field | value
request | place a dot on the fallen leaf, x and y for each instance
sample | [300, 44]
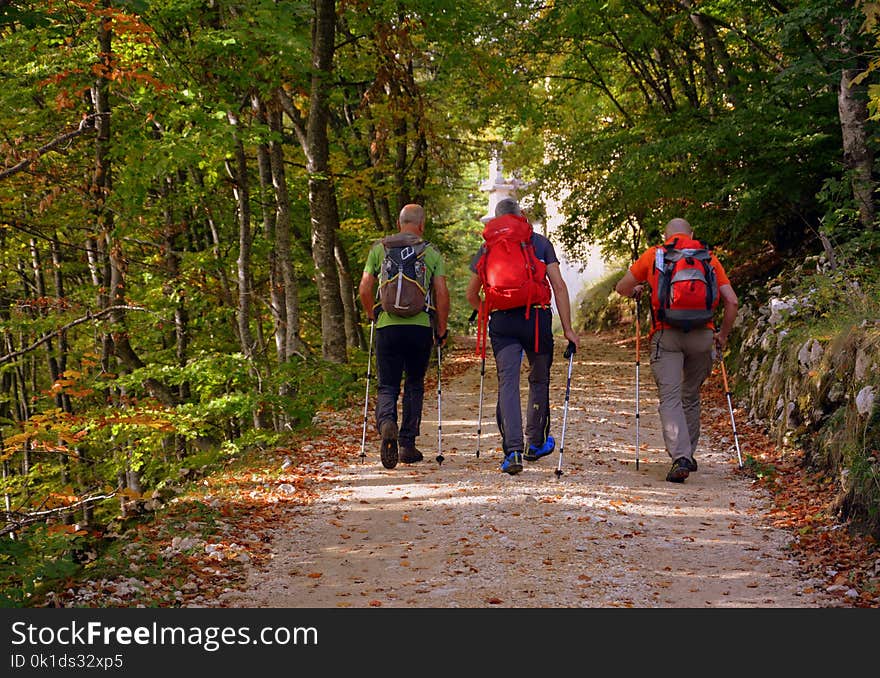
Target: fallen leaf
[375, 603]
[494, 601]
[316, 575]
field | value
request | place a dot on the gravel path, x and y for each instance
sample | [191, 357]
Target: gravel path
[463, 534]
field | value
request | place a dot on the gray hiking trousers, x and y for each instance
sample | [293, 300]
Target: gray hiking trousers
[680, 363]
[512, 337]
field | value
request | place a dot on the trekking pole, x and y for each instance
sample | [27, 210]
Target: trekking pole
[638, 358]
[569, 353]
[439, 410]
[730, 407]
[367, 394]
[480, 409]
[482, 375]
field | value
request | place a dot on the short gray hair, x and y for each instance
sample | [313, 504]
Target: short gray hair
[412, 214]
[507, 206]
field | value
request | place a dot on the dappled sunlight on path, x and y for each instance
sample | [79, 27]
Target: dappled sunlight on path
[463, 534]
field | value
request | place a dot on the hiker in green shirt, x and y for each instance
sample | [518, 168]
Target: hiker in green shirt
[409, 318]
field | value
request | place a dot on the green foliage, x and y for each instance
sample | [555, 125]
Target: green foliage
[36, 559]
[625, 111]
[601, 308]
[761, 470]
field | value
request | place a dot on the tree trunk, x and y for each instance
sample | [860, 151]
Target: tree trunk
[284, 256]
[353, 335]
[239, 173]
[63, 346]
[322, 196]
[857, 156]
[277, 306]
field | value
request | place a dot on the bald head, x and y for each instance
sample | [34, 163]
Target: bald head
[412, 218]
[678, 226]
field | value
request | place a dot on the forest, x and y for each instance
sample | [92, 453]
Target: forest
[189, 188]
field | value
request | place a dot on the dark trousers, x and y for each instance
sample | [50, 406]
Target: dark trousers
[402, 349]
[513, 335]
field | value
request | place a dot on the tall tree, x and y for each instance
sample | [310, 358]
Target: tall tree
[322, 197]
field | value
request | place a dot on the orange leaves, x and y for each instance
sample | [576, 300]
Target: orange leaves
[494, 601]
[66, 529]
[315, 575]
[801, 502]
[375, 603]
[65, 497]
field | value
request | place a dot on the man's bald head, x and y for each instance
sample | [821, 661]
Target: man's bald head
[412, 218]
[678, 226]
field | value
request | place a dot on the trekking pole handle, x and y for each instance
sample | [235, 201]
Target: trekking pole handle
[570, 350]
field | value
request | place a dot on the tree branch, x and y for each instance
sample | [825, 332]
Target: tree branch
[85, 125]
[299, 123]
[16, 520]
[79, 321]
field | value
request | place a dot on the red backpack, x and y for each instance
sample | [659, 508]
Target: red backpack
[510, 273]
[685, 294]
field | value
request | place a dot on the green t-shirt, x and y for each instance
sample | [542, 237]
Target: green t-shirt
[436, 267]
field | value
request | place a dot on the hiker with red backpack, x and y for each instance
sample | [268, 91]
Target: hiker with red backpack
[409, 310]
[516, 269]
[687, 283]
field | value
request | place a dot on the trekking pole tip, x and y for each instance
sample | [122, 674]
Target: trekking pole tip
[558, 472]
[440, 459]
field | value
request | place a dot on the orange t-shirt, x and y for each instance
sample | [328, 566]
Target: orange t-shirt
[643, 270]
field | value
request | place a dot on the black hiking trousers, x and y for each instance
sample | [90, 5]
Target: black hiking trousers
[402, 349]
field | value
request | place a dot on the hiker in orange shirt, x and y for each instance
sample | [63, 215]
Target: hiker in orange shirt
[682, 341]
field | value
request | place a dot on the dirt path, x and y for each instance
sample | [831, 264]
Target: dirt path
[463, 534]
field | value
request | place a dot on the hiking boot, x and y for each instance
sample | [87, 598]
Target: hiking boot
[388, 451]
[679, 471]
[535, 453]
[409, 454]
[512, 463]
[692, 465]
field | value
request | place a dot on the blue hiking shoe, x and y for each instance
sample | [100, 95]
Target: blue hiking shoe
[512, 463]
[535, 453]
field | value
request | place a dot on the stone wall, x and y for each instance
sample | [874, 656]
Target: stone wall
[808, 370]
